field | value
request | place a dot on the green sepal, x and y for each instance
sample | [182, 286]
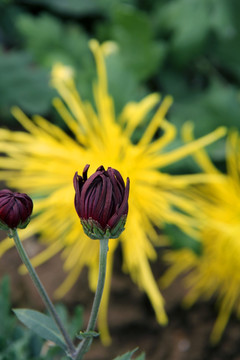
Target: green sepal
[87, 334]
[97, 231]
[3, 226]
[94, 230]
[23, 225]
[118, 229]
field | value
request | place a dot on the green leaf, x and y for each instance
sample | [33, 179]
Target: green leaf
[50, 41]
[126, 356]
[41, 324]
[76, 321]
[141, 357]
[23, 84]
[72, 323]
[208, 109]
[87, 334]
[140, 52]
[7, 323]
[123, 85]
[5, 295]
[187, 22]
[180, 239]
[225, 47]
[70, 7]
[222, 19]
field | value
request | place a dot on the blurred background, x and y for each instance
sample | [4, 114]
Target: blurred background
[186, 48]
[189, 49]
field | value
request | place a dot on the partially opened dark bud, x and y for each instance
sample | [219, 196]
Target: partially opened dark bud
[101, 202]
[15, 209]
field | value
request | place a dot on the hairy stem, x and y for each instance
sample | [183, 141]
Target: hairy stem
[42, 291]
[84, 345]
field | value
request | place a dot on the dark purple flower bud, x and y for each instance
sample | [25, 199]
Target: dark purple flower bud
[101, 202]
[15, 209]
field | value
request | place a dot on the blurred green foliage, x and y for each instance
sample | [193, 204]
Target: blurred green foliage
[180, 240]
[187, 48]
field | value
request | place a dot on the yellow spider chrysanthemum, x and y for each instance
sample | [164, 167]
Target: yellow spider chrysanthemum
[42, 161]
[216, 272]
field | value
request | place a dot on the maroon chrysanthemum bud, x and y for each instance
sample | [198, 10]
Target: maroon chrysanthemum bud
[101, 202]
[15, 209]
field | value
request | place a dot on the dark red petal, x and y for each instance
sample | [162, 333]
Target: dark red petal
[24, 209]
[101, 168]
[118, 193]
[6, 208]
[90, 196]
[96, 201]
[97, 194]
[15, 207]
[5, 192]
[76, 180]
[86, 186]
[26, 204]
[85, 171]
[20, 211]
[119, 177]
[122, 210]
[12, 218]
[106, 200]
[4, 200]
[99, 201]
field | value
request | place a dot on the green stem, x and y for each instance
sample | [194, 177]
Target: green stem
[84, 345]
[42, 291]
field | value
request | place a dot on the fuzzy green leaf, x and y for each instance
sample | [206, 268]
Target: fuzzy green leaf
[41, 324]
[126, 356]
[87, 334]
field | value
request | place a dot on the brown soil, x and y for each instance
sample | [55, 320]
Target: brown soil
[131, 319]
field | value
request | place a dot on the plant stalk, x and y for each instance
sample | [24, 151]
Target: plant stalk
[23, 255]
[84, 345]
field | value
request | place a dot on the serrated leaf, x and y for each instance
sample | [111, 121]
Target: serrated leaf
[126, 356]
[41, 324]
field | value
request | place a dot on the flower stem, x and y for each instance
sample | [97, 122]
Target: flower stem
[42, 291]
[84, 345]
